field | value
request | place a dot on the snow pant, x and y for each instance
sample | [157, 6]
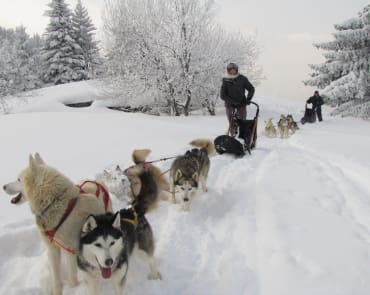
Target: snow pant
[241, 112]
[318, 112]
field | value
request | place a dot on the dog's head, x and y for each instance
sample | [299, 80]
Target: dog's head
[17, 187]
[186, 186]
[289, 118]
[101, 242]
[116, 181]
[268, 123]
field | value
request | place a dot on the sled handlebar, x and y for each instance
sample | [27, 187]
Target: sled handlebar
[257, 107]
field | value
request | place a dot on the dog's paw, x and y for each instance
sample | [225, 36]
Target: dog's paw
[154, 275]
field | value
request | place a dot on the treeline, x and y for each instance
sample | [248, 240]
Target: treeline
[66, 52]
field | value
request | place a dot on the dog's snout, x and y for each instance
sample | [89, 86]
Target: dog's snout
[4, 187]
[109, 262]
[186, 199]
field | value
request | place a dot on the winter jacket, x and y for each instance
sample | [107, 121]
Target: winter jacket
[233, 91]
[316, 101]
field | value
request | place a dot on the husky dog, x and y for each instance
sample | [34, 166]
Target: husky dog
[283, 127]
[270, 130]
[107, 241]
[117, 182]
[292, 125]
[189, 169]
[87, 186]
[60, 208]
[133, 174]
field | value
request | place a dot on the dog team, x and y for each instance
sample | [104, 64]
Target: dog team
[78, 219]
[286, 127]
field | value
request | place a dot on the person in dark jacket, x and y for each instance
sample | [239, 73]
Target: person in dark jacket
[317, 102]
[233, 93]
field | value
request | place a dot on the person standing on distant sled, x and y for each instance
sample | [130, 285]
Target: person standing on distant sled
[317, 102]
[233, 93]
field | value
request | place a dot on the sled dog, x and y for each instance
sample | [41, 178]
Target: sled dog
[134, 172]
[292, 125]
[117, 182]
[283, 127]
[189, 169]
[270, 130]
[107, 241]
[60, 208]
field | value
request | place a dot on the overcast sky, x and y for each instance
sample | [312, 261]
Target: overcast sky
[286, 30]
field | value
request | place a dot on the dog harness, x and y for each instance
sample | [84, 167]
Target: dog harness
[50, 234]
[134, 221]
[99, 188]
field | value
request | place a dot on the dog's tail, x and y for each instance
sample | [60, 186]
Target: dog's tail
[139, 156]
[148, 179]
[204, 143]
[148, 196]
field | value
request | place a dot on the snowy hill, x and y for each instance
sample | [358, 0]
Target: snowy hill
[291, 219]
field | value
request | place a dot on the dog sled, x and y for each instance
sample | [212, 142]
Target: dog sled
[309, 114]
[246, 130]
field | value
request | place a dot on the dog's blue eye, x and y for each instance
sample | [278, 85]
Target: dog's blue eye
[98, 245]
[183, 188]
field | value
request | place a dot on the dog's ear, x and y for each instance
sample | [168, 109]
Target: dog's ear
[106, 173]
[32, 163]
[89, 225]
[178, 174]
[117, 221]
[38, 159]
[118, 168]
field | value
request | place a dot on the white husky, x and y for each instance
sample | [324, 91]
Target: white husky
[117, 183]
[60, 208]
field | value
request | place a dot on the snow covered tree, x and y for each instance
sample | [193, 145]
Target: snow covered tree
[344, 76]
[85, 37]
[171, 53]
[62, 55]
[19, 61]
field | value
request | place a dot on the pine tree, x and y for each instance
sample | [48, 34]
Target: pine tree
[84, 36]
[19, 61]
[344, 75]
[63, 57]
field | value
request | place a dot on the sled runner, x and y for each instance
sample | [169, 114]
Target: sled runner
[309, 115]
[246, 130]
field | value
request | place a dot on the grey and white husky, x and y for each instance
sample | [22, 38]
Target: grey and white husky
[190, 169]
[107, 241]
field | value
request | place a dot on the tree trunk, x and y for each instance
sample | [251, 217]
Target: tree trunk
[187, 102]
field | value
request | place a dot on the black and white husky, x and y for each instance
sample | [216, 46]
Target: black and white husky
[107, 241]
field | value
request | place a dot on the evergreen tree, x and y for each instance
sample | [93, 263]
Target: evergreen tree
[19, 61]
[344, 75]
[84, 35]
[63, 57]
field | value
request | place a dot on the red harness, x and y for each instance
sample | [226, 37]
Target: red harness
[71, 204]
[99, 187]
[51, 233]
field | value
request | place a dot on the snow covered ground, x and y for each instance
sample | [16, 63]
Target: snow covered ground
[293, 218]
